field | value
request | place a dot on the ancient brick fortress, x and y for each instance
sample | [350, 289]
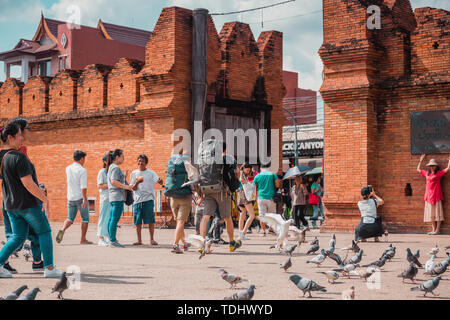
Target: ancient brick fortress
[136, 106]
[373, 79]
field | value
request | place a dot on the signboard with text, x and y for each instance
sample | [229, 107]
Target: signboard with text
[430, 132]
[308, 148]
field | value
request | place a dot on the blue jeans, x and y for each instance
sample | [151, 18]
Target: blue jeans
[114, 217]
[103, 220]
[21, 221]
[317, 209]
[32, 236]
[74, 207]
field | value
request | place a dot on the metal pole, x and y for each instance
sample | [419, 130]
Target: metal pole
[295, 138]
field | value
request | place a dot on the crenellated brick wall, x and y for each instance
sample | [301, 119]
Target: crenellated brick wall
[373, 80]
[135, 106]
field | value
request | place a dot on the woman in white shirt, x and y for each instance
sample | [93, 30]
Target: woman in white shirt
[370, 225]
[105, 207]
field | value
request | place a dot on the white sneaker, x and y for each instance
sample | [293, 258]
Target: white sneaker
[242, 236]
[54, 273]
[102, 243]
[5, 273]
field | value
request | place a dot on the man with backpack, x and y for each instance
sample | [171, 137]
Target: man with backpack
[217, 181]
[180, 198]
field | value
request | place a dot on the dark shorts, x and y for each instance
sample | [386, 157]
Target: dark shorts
[369, 230]
[144, 213]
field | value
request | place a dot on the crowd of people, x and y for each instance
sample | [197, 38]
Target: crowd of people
[26, 206]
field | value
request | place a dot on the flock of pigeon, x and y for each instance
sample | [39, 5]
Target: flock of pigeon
[285, 231]
[345, 266]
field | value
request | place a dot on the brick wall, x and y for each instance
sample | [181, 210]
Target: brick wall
[36, 96]
[373, 80]
[136, 107]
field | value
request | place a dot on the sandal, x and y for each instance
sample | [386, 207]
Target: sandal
[60, 236]
[137, 244]
[153, 243]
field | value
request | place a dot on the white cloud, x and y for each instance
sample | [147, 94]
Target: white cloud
[20, 11]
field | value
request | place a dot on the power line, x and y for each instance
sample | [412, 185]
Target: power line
[254, 9]
[286, 18]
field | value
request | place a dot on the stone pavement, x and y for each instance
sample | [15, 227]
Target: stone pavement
[155, 273]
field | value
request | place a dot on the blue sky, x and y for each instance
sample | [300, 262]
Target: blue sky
[300, 21]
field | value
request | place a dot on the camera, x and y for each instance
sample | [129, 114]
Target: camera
[370, 189]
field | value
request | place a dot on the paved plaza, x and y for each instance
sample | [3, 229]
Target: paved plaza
[155, 273]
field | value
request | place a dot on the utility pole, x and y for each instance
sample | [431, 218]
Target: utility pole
[295, 139]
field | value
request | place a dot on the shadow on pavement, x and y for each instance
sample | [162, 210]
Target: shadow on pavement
[109, 279]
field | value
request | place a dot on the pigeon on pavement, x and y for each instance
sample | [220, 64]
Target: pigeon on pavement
[439, 268]
[204, 246]
[246, 294]
[364, 274]
[336, 258]
[306, 285]
[277, 223]
[412, 258]
[314, 247]
[389, 254]
[428, 286]
[297, 234]
[355, 259]
[349, 294]
[60, 286]
[319, 258]
[231, 278]
[286, 265]
[15, 294]
[354, 247]
[332, 244]
[30, 295]
[417, 254]
[409, 273]
[429, 265]
[347, 269]
[389, 248]
[379, 263]
[290, 250]
[331, 275]
[434, 250]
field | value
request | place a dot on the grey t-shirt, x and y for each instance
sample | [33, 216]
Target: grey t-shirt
[368, 210]
[115, 173]
[102, 179]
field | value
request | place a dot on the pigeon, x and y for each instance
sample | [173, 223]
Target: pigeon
[246, 294]
[439, 268]
[231, 278]
[287, 264]
[446, 248]
[349, 294]
[412, 258]
[297, 234]
[319, 258]
[291, 249]
[347, 269]
[204, 246]
[356, 258]
[428, 286]
[389, 248]
[331, 275]
[409, 273]
[61, 286]
[336, 258]
[30, 295]
[354, 247]
[315, 246]
[389, 254]
[280, 226]
[332, 244]
[417, 254]
[429, 265]
[315, 241]
[434, 251]
[306, 285]
[364, 274]
[379, 263]
[15, 294]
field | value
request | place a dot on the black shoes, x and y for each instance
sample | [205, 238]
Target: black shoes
[38, 267]
[8, 267]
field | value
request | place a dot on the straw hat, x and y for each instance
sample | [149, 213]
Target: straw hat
[432, 163]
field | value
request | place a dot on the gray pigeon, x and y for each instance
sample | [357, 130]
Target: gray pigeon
[412, 258]
[356, 258]
[417, 254]
[389, 248]
[246, 294]
[319, 258]
[15, 294]
[428, 286]
[306, 285]
[31, 295]
[291, 249]
[332, 244]
[314, 247]
[439, 268]
[379, 263]
[347, 269]
[61, 286]
[390, 254]
[409, 273]
[286, 265]
[231, 278]
[336, 258]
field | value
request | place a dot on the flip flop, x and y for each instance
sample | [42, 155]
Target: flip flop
[137, 244]
[87, 242]
[59, 236]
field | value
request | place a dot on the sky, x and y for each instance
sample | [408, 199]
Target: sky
[300, 21]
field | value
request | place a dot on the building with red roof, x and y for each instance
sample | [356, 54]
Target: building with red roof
[58, 45]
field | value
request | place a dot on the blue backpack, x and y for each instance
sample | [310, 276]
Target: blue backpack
[176, 177]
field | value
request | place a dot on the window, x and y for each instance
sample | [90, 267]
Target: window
[45, 68]
[62, 63]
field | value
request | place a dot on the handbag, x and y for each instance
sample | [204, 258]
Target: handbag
[129, 200]
[313, 199]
